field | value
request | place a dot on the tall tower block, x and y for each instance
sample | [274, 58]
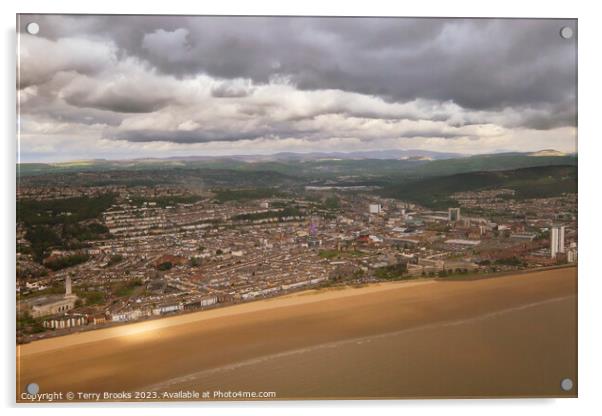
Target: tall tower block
[561, 240]
[556, 240]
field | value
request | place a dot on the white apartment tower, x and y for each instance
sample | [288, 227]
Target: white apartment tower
[556, 240]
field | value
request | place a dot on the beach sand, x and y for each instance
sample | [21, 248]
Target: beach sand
[506, 336]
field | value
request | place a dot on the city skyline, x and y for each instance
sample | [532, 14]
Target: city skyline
[176, 86]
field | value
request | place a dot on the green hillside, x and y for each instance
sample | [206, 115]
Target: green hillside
[533, 182]
[492, 162]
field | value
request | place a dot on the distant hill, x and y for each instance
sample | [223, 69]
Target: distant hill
[367, 165]
[191, 177]
[247, 162]
[547, 152]
[532, 182]
[313, 156]
[491, 162]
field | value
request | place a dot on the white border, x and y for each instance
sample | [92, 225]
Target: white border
[590, 207]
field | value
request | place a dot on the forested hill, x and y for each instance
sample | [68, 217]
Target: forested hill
[533, 182]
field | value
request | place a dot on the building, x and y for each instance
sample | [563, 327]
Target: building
[67, 321]
[167, 308]
[54, 304]
[203, 302]
[453, 214]
[556, 240]
[375, 208]
[523, 236]
[463, 242]
[571, 253]
[98, 319]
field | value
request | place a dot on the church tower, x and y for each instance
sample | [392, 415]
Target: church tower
[68, 292]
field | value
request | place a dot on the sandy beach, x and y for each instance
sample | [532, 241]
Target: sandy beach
[505, 336]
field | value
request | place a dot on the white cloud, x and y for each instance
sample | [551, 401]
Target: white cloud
[40, 59]
[90, 99]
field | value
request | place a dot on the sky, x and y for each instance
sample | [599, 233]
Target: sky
[123, 87]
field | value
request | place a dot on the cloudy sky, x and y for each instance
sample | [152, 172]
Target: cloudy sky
[121, 87]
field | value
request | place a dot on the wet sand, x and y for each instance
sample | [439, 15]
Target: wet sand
[506, 336]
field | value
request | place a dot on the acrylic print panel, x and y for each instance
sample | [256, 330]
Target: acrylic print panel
[276, 208]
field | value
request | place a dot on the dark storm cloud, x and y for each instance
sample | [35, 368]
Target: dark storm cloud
[549, 116]
[486, 63]
[273, 133]
[187, 80]
[186, 137]
[214, 135]
[115, 102]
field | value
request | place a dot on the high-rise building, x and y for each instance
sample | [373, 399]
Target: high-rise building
[561, 240]
[556, 240]
[453, 214]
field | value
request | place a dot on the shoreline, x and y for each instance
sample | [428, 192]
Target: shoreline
[185, 317]
[395, 330]
[132, 328]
